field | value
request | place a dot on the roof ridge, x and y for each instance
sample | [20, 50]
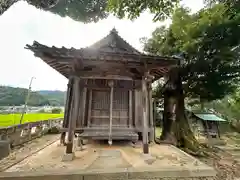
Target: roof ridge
[116, 33]
[117, 37]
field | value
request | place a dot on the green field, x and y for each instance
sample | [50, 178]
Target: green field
[14, 119]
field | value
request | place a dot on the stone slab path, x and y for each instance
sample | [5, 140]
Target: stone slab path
[109, 159]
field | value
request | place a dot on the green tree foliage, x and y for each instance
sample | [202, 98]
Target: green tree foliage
[228, 107]
[79, 10]
[206, 39]
[94, 10]
[162, 9]
[56, 110]
[210, 68]
[55, 98]
[10, 96]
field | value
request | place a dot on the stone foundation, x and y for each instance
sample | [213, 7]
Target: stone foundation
[100, 161]
[112, 174]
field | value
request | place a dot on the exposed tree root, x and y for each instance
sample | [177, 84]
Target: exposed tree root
[176, 131]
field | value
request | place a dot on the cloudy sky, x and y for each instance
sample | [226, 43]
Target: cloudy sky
[22, 24]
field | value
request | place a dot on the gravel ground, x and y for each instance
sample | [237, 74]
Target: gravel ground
[21, 152]
[224, 163]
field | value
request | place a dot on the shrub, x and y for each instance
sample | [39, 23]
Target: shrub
[56, 110]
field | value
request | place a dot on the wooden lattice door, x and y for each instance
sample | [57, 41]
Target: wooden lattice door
[120, 107]
[100, 108]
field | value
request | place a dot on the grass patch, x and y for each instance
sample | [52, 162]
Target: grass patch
[14, 119]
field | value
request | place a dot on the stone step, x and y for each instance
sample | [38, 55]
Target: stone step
[106, 129]
[104, 135]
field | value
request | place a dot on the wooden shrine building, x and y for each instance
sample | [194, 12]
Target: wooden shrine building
[109, 91]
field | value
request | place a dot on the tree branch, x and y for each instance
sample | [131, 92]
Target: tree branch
[5, 4]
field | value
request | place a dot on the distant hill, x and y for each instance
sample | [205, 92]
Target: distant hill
[10, 96]
[54, 97]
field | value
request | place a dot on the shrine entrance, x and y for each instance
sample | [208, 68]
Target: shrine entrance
[100, 108]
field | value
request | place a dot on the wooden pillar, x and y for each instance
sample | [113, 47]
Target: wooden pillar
[110, 112]
[89, 108]
[74, 114]
[84, 95]
[151, 138]
[207, 128]
[147, 111]
[136, 117]
[145, 115]
[79, 117]
[154, 116]
[217, 124]
[130, 109]
[138, 106]
[67, 110]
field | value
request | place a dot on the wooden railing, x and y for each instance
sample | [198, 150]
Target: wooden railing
[19, 134]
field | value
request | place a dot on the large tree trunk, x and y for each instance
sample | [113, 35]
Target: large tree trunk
[181, 129]
[168, 119]
[176, 130]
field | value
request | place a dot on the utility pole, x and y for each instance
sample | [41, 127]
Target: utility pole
[26, 100]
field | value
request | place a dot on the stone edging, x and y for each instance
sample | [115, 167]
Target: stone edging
[121, 173]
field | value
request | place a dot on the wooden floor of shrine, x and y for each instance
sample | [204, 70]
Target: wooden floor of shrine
[116, 161]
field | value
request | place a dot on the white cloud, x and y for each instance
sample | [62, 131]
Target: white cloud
[22, 24]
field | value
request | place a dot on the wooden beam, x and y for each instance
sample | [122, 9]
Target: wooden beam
[217, 124]
[147, 110]
[208, 135]
[130, 108]
[106, 88]
[154, 116]
[136, 117]
[145, 115]
[110, 77]
[74, 115]
[150, 102]
[67, 110]
[84, 104]
[69, 129]
[110, 112]
[79, 117]
[89, 108]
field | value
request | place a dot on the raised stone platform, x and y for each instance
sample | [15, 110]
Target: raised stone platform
[98, 161]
